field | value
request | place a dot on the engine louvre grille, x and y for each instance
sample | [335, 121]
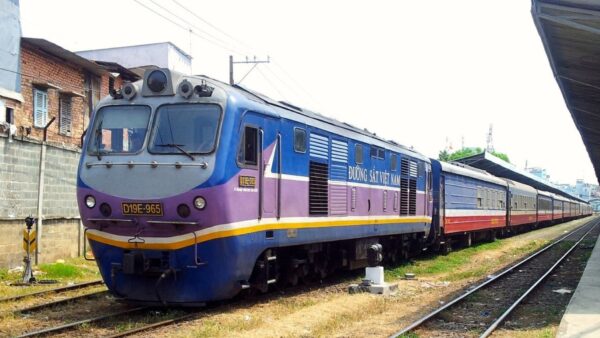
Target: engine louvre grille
[318, 203]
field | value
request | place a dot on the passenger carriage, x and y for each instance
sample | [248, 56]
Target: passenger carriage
[544, 207]
[469, 201]
[523, 204]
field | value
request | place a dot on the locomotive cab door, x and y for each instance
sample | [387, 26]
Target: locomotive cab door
[260, 152]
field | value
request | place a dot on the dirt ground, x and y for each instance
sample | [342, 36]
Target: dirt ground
[331, 311]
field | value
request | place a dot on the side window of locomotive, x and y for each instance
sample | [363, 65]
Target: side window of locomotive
[394, 162]
[377, 153]
[248, 153]
[299, 140]
[358, 153]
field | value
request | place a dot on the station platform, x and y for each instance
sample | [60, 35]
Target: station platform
[582, 317]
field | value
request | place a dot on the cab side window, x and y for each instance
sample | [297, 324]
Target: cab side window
[358, 154]
[299, 140]
[248, 152]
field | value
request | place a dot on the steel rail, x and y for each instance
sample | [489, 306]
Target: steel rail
[432, 314]
[500, 319]
[57, 302]
[153, 325]
[80, 322]
[55, 290]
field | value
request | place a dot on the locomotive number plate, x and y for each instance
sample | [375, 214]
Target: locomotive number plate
[142, 209]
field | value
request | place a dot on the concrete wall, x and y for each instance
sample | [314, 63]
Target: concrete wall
[163, 55]
[19, 177]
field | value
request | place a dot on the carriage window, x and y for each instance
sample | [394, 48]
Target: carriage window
[358, 154]
[299, 140]
[248, 153]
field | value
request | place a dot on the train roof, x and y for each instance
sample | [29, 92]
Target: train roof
[545, 193]
[464, 170]
[560, 198]
[514, 185]
[501, 168]
[288, 110]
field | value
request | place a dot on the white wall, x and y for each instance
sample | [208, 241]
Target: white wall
[163, 55]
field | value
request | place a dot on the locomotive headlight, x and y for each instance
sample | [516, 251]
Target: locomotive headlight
[157, 81]
[90, 201]
[199, 203]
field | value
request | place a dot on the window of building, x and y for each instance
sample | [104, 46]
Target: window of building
[40, 108]
[9, 117]
[111, 84]
[248, 154]
[299, 140]
[358, 153]
[65, 116]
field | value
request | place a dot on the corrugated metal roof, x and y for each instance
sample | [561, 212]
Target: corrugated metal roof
[570, 32]
[64, 54]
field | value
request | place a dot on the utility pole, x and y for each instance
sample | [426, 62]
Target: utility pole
[254, 61]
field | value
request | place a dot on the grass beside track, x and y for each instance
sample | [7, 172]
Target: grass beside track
[65, 272]
[457, 266]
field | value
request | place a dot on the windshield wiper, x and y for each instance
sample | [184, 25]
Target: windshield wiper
[99, 140]
[179, 147]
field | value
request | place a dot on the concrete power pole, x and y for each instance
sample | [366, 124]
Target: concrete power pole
[254, 61]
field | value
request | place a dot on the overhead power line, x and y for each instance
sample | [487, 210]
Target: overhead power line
[188, 29]
[191, 25]
[212, 26]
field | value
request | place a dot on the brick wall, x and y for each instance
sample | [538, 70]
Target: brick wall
[39, 67]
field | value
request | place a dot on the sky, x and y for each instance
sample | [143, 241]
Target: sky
[423, 73]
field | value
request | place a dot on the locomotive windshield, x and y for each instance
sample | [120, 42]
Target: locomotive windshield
[185, 128]
[119, 129]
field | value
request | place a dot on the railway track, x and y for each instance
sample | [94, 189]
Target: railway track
[53, 291]
[484, 307]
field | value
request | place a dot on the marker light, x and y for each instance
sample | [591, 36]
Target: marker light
[105, 210]
[90, 201]
[183, 211]
[199, 203]
[157, 81]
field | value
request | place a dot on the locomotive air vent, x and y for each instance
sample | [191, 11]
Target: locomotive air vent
[318, 188]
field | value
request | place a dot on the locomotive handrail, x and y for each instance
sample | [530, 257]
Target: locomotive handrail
[85, 246]
[109, 220]
[196, 251]
[153, 164]
[173, 222]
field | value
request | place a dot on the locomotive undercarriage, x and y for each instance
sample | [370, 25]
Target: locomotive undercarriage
[289, 266]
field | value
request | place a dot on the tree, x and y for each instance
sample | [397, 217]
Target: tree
[466, 152]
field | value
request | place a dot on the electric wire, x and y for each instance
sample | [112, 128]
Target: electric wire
[271, 83]
[191, 25]
[187, 29]
[212, 26]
